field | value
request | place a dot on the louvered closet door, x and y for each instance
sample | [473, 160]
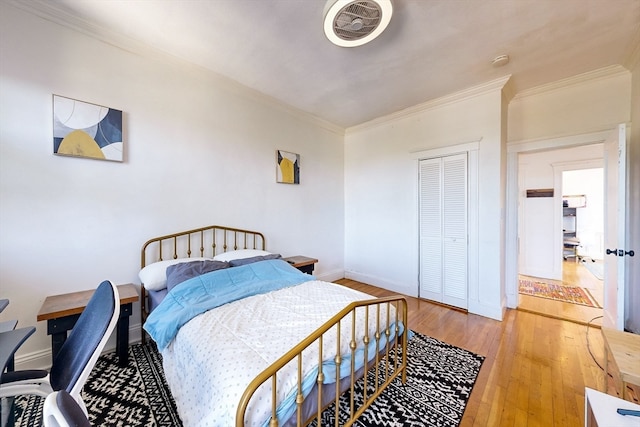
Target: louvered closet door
[443, 230]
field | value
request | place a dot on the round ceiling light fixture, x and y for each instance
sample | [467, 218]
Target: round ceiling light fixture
[500, 60]
[349, 23]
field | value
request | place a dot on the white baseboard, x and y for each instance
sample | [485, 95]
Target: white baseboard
[330, 276]
[402, 288]
[491, 312]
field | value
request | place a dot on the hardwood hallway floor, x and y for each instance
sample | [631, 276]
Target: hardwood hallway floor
[576, 274]
[536, 367]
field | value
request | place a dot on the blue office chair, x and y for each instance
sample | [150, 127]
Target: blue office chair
[62, 410]
[77, 356]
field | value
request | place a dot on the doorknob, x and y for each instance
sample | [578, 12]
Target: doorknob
[620, 252]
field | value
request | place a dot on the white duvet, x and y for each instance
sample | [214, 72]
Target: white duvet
[217, 354]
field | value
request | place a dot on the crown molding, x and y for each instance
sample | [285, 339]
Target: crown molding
[595, 136]
[49, 12]
[469, 93]
[590, 76]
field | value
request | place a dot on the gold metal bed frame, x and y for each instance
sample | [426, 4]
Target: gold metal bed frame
[387, 364]
[198, 242]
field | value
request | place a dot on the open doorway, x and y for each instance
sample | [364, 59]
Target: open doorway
[562, 232]
[583, 231]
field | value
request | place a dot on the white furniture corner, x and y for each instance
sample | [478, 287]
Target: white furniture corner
[600, 410]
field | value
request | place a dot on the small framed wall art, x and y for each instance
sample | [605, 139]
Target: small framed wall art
[288, 167]
[82, 129]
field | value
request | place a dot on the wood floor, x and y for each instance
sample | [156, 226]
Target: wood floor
[536, 367]
[576, 274]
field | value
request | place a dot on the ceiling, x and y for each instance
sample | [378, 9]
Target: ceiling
[431, 48]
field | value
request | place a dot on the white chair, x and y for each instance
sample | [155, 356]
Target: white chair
[77, 356]
[62, 410]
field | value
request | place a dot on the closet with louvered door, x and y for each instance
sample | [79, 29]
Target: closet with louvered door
[443, 229]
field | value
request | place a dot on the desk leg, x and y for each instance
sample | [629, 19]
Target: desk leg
[122, 334]
[57, 340]
[58, 328]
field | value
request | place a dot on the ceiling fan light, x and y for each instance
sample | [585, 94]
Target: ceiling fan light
[349, 23]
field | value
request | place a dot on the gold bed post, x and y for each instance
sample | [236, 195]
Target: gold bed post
[316, 338]
[353, 346]
[274, 402]
[338, 361]
[366, 340]
[320, 379]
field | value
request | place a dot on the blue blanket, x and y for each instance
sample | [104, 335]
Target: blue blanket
[202, 293]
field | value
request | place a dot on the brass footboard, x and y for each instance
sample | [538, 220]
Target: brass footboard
[386, 315]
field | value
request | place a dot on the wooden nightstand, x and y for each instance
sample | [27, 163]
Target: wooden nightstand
[302, 263]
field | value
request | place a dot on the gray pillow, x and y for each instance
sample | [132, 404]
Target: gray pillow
[251, 260]
[178, 273]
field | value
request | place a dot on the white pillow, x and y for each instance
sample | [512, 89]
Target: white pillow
[240, 254]
[154, 276]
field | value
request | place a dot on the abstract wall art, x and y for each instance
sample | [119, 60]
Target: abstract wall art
[288, 167]
[81, 129]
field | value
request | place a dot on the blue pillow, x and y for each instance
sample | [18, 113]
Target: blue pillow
[251, 260]
[178, 273]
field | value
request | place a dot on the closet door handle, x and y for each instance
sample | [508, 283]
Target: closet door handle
[612, 252]
[630, 253]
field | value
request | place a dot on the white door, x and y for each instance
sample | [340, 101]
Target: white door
[443, 230]
[615, 149]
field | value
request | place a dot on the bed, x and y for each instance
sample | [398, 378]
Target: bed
[247, 339]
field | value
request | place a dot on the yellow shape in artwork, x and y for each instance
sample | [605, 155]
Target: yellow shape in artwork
[286, 167]
[79, 143]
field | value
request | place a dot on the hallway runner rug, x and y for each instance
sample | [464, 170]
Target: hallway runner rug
[440, 378]
[563, 293]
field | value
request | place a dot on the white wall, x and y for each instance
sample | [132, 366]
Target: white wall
[590, 218]
[587, 103]
[381, 193]
[198, 151]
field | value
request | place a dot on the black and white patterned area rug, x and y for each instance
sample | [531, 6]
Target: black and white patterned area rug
[440, 378]
[136, 395]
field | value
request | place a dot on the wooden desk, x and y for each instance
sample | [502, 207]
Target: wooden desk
[302, 263]
[622, 349]
[62, 311]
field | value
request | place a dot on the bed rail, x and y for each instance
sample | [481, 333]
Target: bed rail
[385, 368]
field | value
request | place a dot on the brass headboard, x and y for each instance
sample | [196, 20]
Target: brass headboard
[199, 242]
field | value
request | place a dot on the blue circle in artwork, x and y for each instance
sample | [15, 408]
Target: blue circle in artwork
[109, 128]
